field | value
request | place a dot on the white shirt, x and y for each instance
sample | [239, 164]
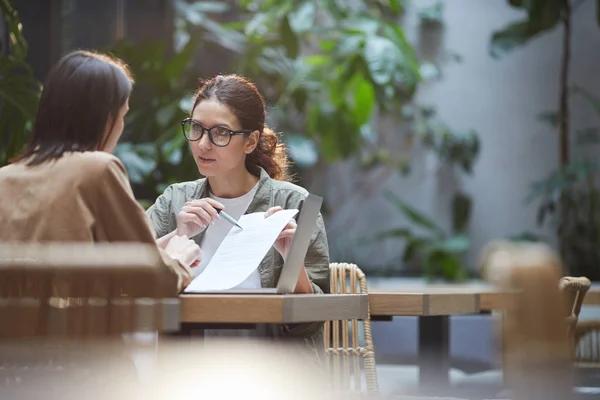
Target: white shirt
[214, 234]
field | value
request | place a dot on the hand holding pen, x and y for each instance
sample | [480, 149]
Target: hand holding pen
[197, 215]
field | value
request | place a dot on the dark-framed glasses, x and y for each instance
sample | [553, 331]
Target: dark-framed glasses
[219, 135]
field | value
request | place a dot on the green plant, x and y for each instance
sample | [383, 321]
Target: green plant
[327, 68]
[568, 195]
[544, 16]
[437, 252]
[570, 200]
[19, 90]
[330, 68]
[153, 147]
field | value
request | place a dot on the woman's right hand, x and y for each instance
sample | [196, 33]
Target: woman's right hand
[184, 250]
[196, 215]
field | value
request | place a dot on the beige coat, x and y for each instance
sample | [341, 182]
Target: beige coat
[81, 197]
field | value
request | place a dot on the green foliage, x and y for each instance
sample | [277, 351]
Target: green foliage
[354, 63]
[327, 67]
[451, 146]
[328, 78]
[569, 199]
[426, 243]
[153, 146]
[542, 16]
[19, 90]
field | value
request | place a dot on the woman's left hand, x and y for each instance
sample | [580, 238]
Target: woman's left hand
[284, 240]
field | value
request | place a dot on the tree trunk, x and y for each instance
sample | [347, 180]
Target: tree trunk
[564, 88]
[564, 148]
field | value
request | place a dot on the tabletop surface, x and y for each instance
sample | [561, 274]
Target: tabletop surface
[271, 308]
[413, 297]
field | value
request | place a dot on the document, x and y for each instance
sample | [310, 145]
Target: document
[241, 251]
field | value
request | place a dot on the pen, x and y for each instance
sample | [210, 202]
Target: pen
[228, 218]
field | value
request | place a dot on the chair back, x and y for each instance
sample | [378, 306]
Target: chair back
[84, 291]
[573, 290]
[349, 344]
[536, 349]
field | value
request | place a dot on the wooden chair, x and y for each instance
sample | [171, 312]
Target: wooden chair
[84, 291]
[345, 354]
[537, 351]
[64, 308]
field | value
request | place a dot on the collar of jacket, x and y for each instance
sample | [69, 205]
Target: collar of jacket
[263, 198]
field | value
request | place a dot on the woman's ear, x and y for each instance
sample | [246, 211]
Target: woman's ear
[252, 141]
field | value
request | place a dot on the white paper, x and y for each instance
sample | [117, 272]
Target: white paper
[241, 251]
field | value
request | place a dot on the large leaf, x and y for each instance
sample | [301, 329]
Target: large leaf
[363, 99]
[415, 216]
[461, 212]
[402, 233]
[140, 160]
[409, 68]
[414, 248]
[381, 56]
[303, 150]
[303, 18]
[542, 16]
[456, 244]
[17, 43]
[205, 7]
[512, 36]
[289, 38]
[19, 90]
[432, 14]
[552, 118]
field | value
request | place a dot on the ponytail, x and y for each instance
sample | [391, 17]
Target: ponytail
[269, 154]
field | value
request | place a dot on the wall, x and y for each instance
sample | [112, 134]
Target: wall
[498, 98]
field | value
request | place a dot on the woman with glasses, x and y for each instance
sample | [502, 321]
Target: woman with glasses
[65, 185]
[245, 170]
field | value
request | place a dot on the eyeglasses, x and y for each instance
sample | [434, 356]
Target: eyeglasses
[218, 135]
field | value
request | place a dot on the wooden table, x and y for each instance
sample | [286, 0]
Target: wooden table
[492, 299]
[271, 309]
[433, 305]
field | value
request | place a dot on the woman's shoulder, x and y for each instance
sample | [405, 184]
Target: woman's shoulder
[287, 192]
[93, 162]
[186, 190]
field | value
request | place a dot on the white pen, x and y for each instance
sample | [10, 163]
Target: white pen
[228, 218]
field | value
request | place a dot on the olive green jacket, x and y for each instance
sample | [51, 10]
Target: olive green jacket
[269, 193]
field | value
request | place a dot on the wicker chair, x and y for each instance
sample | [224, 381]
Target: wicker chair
[344, 359]
[573, 290]
[587, 339]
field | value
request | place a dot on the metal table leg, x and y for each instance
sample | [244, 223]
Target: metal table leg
[434, 353]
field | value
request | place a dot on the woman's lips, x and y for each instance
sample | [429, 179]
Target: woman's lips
[206, 160]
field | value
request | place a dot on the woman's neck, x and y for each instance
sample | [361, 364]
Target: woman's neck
[232, 185]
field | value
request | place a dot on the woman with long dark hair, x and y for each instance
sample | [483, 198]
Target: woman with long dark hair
[245, 169]
[65, 185]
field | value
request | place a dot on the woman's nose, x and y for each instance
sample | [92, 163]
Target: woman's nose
[204, 142]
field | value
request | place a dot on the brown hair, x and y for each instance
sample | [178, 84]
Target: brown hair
[242, 98]
[82, 92]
